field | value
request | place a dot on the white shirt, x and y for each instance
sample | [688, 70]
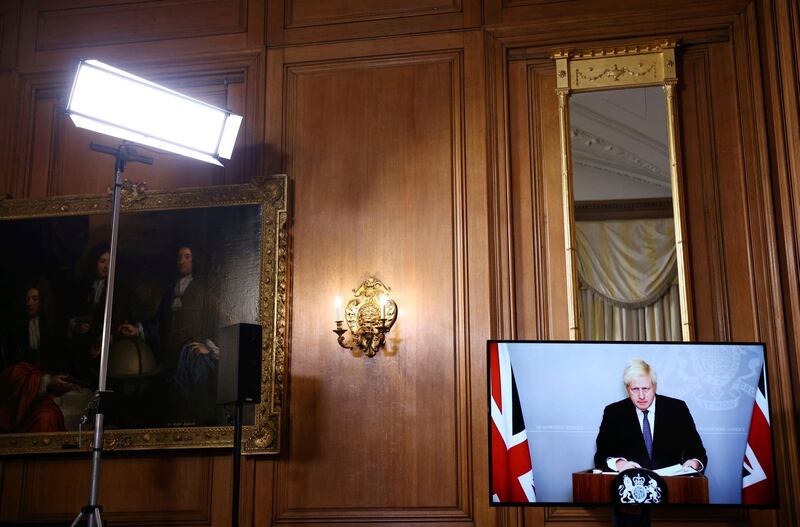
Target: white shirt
[33, 333]
[180, 287]
[97, 290]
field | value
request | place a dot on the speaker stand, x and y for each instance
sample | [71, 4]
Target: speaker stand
[632, 517]
[237, 460]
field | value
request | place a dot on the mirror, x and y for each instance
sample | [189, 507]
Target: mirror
[626, 261]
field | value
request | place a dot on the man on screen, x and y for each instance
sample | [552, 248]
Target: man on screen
[647, 430]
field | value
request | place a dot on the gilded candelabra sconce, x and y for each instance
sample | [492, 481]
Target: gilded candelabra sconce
[370, 315]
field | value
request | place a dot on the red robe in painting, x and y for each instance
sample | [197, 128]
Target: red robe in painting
[22, 408]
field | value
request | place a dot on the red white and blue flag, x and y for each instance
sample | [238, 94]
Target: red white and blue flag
[512, 473]
[758, 475]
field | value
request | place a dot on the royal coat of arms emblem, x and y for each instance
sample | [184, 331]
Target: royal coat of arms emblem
[639, 487]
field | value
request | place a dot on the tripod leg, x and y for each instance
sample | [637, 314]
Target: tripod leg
[98, 521]
[76, 520]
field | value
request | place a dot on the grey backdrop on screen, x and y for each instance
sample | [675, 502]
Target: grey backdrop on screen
[564, 387]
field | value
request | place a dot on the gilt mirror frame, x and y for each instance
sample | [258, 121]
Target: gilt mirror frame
[267, 301]
[608, 68]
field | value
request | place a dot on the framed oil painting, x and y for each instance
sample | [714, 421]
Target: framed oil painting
[189, 262]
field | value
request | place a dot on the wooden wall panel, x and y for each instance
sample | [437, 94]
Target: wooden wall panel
[535, 202]
[306, 13]
[10, 489]
[134, 489]
[391, 173]
[781, 63]
[376, 143]
[52, 156]
[385, 140]
[304, 21]
[114, 22]
[7, 110]
[702, 184]
[9, 30]
[536, 217]
[54, 33]
[732, 239]
[620, 16]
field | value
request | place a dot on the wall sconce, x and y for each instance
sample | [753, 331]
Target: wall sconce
[370, 315]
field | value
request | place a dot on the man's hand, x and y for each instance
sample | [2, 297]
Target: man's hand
[624, 464]
[82, 328]
[128, 330]
[59, 385]
[692, 463]
[198, 348]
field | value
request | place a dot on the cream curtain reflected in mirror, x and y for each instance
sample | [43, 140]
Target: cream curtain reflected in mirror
[626, 259]
[628, 280]
[626, 267]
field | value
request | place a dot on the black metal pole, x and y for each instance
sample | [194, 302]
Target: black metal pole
[237, 458]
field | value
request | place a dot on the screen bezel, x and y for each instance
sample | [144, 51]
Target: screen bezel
[489, 342]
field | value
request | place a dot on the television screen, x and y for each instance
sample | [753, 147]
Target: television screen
[567, 417]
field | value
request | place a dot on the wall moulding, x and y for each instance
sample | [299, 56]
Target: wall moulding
[299, 13]
[45, 498]
[306, 21]
[60, 32]
[546, 11]
[9, 30]
[101, 24]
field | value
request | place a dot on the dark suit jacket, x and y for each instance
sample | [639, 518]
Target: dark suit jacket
[675, 438]
[15, 347]
[91, 312]
[193, 321]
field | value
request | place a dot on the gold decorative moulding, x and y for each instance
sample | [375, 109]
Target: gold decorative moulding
[615, 67]
[369, 315]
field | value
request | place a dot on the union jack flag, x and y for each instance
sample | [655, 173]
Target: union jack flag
[758, 475]
[512, 473]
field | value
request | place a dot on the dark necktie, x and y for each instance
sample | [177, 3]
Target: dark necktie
[648, 436]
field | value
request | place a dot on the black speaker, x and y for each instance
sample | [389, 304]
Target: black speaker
[239, 377]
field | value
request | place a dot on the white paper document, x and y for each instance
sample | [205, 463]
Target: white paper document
[675, 470]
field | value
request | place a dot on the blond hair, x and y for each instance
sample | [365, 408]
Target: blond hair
[638, 368]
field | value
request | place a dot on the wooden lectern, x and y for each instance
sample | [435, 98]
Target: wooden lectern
[588, 487]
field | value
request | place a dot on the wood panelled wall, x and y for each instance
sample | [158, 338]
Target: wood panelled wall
[380, 134]
[421, 142]
[727, 194]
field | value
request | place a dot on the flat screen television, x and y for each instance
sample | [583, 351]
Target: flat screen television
[548, 401]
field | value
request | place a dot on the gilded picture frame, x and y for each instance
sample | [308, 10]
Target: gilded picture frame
[239, 236]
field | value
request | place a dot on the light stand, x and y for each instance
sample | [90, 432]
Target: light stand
[114, 102]
[237, 460]
[123, 155]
